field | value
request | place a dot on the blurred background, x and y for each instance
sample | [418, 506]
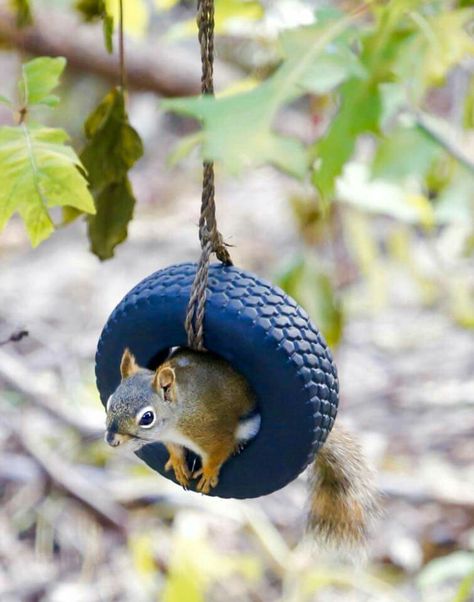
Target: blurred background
[378, 248]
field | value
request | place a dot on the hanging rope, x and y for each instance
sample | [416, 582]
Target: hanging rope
[209, 236]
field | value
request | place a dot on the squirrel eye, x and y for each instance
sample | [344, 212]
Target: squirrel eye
[147, 419]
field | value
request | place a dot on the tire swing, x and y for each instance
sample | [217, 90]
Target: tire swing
[256, 327]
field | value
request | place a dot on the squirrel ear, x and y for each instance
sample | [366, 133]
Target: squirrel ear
[164, 378]
[128, 365]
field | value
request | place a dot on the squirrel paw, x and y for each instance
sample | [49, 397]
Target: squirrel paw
[207, 480]
[239, 446]
[181, 471]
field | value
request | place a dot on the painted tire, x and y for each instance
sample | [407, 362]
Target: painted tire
[265, 335]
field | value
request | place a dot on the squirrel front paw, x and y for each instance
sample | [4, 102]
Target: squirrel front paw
[181, 470]
[208, 480]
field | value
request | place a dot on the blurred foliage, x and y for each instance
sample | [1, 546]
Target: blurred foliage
[23, 12]
[228, 15]
[458, 567]
[195, 565]
[135, 14]
[95, 10]
[372, 74]
[402, 51]
[311, 287]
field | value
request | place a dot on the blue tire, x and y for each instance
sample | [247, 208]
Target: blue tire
[265, 335]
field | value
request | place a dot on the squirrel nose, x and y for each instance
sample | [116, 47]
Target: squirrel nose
[111, 438]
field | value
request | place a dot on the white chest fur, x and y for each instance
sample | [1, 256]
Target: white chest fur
[171, 435]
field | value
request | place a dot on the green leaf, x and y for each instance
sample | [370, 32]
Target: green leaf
[114, 210]
[393, 97]
[468, 117]
[108, 31]
[365, 105]
[184, 148]
[24, 15]
[312, 289]
[39, 77]
[330, 69]
[69, 215]
[38, 171]
[466, 588]
[238, 129]
[113, 145]
[440, 42]
[455, 566]
[359, 112]
[358, 189]
[112, 148]
[91, 10]
[406, 151]
[95, 10]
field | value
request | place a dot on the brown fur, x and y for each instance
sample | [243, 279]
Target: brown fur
[213, 397]
[343, 502]
[128, 366]
[177, 463]
[207, 397]
[164, 378]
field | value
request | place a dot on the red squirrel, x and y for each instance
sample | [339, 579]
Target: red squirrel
[197, 401]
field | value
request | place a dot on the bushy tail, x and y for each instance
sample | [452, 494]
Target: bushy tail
[343, 502]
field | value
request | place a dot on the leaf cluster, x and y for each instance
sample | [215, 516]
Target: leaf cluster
[374, 69]
[38, 170]
[239, 129]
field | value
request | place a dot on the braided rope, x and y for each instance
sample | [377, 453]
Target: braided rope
[209, 236]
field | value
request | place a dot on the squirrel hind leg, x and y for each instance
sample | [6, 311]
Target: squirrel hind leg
[211, 465]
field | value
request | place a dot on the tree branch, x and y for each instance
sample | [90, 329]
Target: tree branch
[168, 71]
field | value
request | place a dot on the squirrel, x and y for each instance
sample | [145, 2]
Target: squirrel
[197, 401]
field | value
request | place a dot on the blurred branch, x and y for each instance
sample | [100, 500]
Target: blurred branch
[156, 68]
[416, 493]
[16, 375]
[15, 337]
[69, 477]
[27, 585]
[427, 125]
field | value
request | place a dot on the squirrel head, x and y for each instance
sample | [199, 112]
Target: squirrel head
[143, 406]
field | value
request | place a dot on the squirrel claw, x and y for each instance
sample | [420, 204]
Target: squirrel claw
[238, 448]
[181, 472]
[206, 483]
